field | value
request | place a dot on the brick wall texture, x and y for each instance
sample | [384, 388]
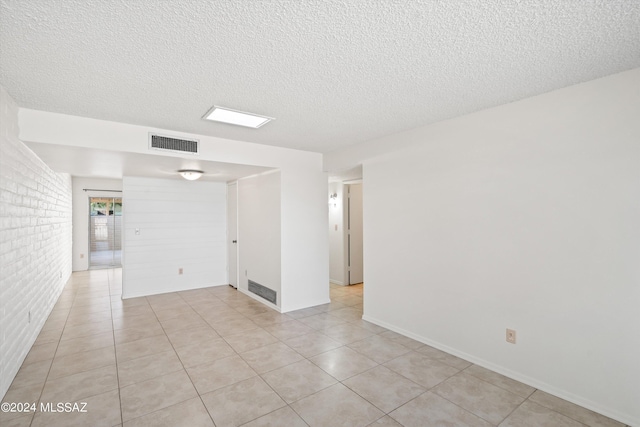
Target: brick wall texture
[35, 242]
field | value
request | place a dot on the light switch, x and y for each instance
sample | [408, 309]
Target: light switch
[336, 226]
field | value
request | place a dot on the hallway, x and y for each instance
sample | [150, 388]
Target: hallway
[214, 355]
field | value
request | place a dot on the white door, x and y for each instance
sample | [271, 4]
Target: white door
[354, 234]
[232, 233]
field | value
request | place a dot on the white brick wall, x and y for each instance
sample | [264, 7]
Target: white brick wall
[35, 242]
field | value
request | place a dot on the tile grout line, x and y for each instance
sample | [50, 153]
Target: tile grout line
[75, 290]
[185, 368]
[314, 364]
[458, 406]
[181, 362]
[495, 385]
[260, 375]
[558, 412]
[78, 291]
[44, 384]
[115, 352]
[324, 388]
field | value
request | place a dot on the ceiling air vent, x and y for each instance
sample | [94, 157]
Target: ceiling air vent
[167, 143]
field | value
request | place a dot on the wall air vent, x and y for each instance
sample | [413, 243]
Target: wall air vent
[168, 143]
[262, 291]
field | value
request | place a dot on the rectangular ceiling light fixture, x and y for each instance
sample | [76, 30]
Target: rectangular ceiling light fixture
[226, 115]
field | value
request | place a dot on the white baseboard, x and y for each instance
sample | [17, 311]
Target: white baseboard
[336, 282]
[128, 295]
[259, 299]
[540, 385]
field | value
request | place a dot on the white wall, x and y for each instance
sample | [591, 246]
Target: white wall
[524, 216]
[336, 235]
[182, 224]
[81, 214]
[35, 242]
[259, 220]
[354, 237]
[304, 240]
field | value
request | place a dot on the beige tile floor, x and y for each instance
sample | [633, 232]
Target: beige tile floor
[216, 357]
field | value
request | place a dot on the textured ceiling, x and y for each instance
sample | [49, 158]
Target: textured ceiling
[332, 72]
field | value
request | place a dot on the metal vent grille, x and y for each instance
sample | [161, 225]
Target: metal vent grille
[262, 291]
[159, 142]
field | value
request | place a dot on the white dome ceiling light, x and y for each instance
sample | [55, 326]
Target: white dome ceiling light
[190, 174]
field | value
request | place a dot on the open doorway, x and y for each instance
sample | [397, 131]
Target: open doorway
[346, 272]
[346, 233]
[105, 232]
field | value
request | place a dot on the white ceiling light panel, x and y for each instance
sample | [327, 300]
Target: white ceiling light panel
[233, 117]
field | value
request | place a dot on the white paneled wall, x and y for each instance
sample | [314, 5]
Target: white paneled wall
[180, 225]
[35, 242]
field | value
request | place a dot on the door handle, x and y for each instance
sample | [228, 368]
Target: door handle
[234, 241]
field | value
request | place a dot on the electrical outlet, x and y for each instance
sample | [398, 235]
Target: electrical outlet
[245, 272]
[180, 271]
[81, 255]
[511, 336]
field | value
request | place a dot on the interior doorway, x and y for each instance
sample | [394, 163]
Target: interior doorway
[355, 268]
[346, 261]
[105, 232]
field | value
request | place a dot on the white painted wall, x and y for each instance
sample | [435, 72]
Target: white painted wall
[259, 233]
[355, 240]
[182, 225]
[81, 214]
[304, 240]
[524, 216]
[35, 242]
[336, 235]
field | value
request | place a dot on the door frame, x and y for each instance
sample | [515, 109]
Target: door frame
[91, 232]
[232, 233]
